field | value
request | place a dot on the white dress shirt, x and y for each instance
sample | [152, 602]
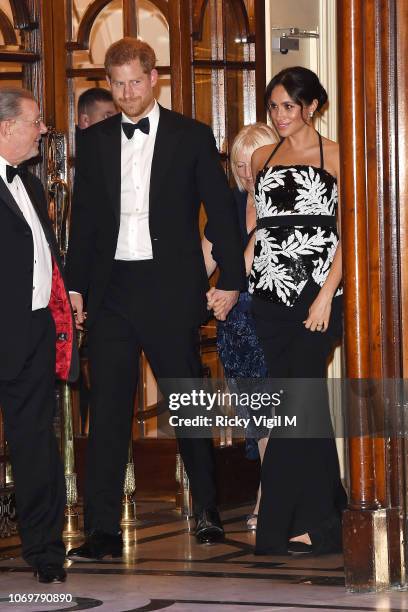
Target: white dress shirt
[42, 264]
[134, 242]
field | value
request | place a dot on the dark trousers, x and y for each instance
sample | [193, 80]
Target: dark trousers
[301, 487]
[133, 319]
[28, 404]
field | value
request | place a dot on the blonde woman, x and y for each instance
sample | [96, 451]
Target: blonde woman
[237, 343]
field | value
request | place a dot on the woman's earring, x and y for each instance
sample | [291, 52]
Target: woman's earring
[311, 114]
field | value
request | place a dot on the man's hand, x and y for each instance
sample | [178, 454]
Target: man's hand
[221, 302]
[77, 304]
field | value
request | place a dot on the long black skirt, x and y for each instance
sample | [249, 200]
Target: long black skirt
[301, 486]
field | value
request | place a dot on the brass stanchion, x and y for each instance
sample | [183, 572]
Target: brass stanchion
[129, 520]
[59, 211]
[9, 479]
[8, 519]
[129, 488]
[183, 495]
[71, 526]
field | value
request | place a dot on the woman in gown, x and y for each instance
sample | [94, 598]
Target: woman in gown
[297, 306]
[237, 342]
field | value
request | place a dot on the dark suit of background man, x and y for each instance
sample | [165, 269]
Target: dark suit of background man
[94, 105]
[33, 295]
[135, 255]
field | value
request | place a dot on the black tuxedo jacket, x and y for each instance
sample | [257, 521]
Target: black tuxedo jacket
[185, 172]
[16, 282]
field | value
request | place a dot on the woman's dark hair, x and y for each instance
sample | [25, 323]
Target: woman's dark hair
[302, 85]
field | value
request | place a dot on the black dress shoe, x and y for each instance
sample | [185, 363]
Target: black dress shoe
[208, 529]
[50, 574]
[97, 545]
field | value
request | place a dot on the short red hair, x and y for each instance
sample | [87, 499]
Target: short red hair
[128, 49]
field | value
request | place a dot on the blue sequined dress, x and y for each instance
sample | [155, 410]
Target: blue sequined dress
[238, 347]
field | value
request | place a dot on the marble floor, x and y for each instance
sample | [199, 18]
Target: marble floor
[164, 569]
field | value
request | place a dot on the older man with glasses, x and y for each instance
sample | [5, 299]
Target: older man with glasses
[36, 324]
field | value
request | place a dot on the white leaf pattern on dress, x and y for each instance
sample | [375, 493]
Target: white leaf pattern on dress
[309, 200]
[280, 265]
[322, 268]
[272, 180]
[302, 244]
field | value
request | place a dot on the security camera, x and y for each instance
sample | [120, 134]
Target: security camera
[285, 44]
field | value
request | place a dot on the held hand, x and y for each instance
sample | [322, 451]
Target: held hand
[221, 302]
[210, 297]
[215, 301]
[78, 308]
[319, 314]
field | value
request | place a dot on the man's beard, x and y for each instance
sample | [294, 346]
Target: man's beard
[135, 107]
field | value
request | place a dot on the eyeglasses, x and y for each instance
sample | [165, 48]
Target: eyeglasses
[35, 122]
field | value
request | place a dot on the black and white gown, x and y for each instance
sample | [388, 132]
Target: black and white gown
[296, 240]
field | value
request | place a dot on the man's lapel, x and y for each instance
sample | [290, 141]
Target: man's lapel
[168, 136]
[165, 150]
[39, 204]
[8, 199]
[111, 144]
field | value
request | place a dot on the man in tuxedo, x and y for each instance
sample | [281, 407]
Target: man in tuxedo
[94, 105]
[36, 323]
[135, 256]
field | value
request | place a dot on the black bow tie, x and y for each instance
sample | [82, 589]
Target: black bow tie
[11, 172]
[143, 125]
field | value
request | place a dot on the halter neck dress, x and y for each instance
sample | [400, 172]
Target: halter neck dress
[296, 235]
[296, 240]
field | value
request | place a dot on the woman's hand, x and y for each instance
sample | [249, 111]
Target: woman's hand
[319, 314]
[221, 301]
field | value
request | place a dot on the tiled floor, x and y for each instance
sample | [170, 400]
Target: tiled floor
[166, 570]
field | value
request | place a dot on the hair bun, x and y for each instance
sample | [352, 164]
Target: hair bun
[323, 97]
[302, 85]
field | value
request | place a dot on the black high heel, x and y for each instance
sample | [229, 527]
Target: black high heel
[300, 548]
[326, 539]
